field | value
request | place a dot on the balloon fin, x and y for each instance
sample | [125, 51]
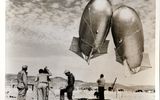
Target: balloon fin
[119, 58]
[101, 50]
[75, 47]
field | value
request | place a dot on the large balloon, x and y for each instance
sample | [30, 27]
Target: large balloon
[128, 38]
[93, 30]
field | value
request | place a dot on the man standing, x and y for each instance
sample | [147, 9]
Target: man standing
[101, 85]
[42, 84]
[46, 71]
[22, 85]
[69, 89]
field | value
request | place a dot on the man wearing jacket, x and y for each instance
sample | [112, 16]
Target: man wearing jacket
[70, 87]
[22, 85]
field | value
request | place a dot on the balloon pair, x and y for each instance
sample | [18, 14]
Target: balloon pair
[126, 29]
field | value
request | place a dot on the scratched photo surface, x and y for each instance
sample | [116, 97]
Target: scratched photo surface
[39, 33]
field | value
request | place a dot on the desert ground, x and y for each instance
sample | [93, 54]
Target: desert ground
[11, 94]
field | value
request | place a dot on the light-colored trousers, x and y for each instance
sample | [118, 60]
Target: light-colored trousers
[22, 94]
[42, 92]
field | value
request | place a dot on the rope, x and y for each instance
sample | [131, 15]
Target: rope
[86, 43]
[90, 21]
[89, 24]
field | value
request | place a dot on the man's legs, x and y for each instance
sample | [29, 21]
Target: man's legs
[70, 92]
[62, 91]
[47, 91]
[39, 92]
[69, 95]
[20, 97]
[21, 94]
[44, 93]
[101, 93]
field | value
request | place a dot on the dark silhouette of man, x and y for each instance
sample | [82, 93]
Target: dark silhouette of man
[70, 87]
[101, 85]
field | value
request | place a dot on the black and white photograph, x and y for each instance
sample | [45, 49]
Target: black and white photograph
[80, 49]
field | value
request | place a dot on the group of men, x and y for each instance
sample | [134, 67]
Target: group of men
[42, 80]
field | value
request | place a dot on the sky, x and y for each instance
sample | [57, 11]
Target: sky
[39, 34]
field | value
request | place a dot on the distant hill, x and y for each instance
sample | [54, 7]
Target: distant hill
[141, 87]
[59, 82]
[56, 81]
[13, 78]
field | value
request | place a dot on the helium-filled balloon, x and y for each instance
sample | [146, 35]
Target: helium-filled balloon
[128, 38]
[93, 30]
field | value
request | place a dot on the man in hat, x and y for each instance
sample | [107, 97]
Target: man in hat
[22, 85]
[101, 85]
[70, 87]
